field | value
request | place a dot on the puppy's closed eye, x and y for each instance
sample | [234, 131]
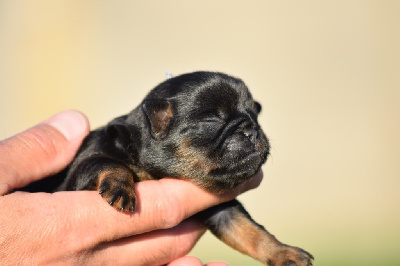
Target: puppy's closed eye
[214, 119]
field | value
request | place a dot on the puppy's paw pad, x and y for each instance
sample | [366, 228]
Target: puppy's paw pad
[291, 256]
[118, 194]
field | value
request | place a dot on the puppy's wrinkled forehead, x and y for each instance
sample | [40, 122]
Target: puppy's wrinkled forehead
[224, 94]
[197, 91]
[217, 96]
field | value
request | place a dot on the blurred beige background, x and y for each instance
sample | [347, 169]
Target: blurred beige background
[326, 72]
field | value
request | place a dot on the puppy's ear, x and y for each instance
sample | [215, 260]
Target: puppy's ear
[258, 106]
[159, 114]
[118, 133]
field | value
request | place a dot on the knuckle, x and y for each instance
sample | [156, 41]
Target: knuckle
[182, 246]
[169, 211]
[30, 153]
[177, 245]
[41, 140]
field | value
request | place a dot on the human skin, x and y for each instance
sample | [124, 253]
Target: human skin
[79, 227]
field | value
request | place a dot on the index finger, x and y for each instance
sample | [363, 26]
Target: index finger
[161, 204]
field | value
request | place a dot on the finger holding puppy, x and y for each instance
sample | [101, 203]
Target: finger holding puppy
[82, 223]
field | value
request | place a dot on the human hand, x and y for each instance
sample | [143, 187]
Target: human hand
[79, 227]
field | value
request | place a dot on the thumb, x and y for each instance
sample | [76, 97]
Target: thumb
[42, 150]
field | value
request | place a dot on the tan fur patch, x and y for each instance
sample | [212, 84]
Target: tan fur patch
[194, 165]
[247, 237]
[141, 174]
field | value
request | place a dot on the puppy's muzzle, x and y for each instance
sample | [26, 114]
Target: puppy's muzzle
[252, 134]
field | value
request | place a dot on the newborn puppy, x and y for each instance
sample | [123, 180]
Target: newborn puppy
[200, 127]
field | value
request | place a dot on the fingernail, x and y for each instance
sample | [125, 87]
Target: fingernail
[72, 124]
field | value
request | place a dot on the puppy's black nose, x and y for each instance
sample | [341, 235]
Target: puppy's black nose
[251, 134]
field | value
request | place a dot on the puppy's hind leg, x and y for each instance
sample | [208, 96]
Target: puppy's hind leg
[233, 225]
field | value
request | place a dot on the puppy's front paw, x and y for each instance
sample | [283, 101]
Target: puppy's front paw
[290, 256]
[119, 192]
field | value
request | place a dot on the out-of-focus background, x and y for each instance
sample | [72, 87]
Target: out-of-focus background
[326, 72]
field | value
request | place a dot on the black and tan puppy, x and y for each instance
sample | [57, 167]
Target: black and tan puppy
[200, 127]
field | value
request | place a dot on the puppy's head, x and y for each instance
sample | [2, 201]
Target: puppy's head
[203, 127]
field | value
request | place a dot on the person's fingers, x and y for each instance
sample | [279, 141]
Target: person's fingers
[161, 204]
[41, 150]
[81, 220]
[171, 244]
[193, 261]
[186, 260]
